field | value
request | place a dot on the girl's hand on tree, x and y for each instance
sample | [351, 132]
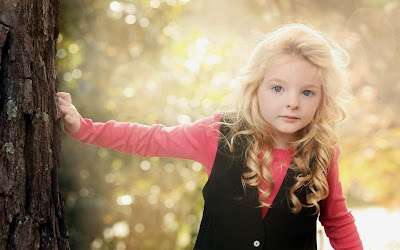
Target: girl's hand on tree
[69, 113]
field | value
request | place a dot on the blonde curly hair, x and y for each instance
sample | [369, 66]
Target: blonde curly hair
[315, 144]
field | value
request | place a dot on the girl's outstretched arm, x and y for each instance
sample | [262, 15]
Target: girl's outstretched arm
[337, 220]
[196, 141]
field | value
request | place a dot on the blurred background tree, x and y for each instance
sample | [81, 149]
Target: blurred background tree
[174, 61]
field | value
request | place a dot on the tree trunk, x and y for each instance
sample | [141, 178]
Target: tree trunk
[32, 214]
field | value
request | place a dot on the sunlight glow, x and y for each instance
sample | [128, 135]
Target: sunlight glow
[171, 2]
[183, 119]
[234, 83]
[171, 99]
[116, 6]
[183, 239]
[144, 22]
[129, 92]
[130, 19]
[152, 85]
[201, 42]
[171, 30]
[120, 229]
[193, 66]
[155, 3]
[125, 200]
[195, 102]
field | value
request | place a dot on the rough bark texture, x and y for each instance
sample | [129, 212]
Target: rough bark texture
[32, 214]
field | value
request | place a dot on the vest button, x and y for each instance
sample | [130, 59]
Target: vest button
[256, 243]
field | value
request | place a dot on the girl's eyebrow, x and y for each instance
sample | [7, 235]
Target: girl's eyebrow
[276, 80]
[308, 85]
[311, 85]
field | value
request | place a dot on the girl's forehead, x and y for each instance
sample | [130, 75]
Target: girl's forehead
[294, 70]
[287, 64]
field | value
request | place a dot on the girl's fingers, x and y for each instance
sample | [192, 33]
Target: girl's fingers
[70, 119]
[68, 110]
[64, 102]
[64, 95]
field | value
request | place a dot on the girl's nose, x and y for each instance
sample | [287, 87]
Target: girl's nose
[293, 103]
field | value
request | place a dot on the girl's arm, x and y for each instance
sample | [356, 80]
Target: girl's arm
[337, 220]
[196, 141]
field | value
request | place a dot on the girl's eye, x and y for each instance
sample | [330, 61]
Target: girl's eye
[307, 92]
[277, 89]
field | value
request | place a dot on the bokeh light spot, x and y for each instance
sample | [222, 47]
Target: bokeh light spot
[61, 53]
[76, 73]
[125, 200]
[152, 199]
[169, 167]
[129, 92]
[144, 22]
[171, 2]
[139, 228]
[192, 65]
[197, 167]
[120, 229]
[155, 3]
[130, 19]
[183, 119]
[84, 173]
[130, 8]
[190, 185]
[83, 192]
[67, 76]
[60, 38]
[108, 234]
[169, 203]
[109, 178]
[73, 48]
[116, 6]
[145, 165]
[96, 244]
[155, 189]
[152, 85]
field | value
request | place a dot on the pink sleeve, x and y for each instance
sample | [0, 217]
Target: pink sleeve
[337, 220]
[196, 141]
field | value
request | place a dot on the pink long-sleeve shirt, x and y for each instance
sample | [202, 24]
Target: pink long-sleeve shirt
[198, 141]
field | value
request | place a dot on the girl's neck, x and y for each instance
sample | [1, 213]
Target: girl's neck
[282, 142]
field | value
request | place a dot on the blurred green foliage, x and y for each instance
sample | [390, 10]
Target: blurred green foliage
[171, 61]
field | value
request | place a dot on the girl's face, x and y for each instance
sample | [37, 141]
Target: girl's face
[288, 96]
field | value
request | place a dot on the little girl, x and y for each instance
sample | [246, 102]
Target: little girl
[272, 162]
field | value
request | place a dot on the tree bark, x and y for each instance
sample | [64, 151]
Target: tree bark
[32, 214]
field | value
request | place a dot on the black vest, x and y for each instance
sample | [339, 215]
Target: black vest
[232, 219]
